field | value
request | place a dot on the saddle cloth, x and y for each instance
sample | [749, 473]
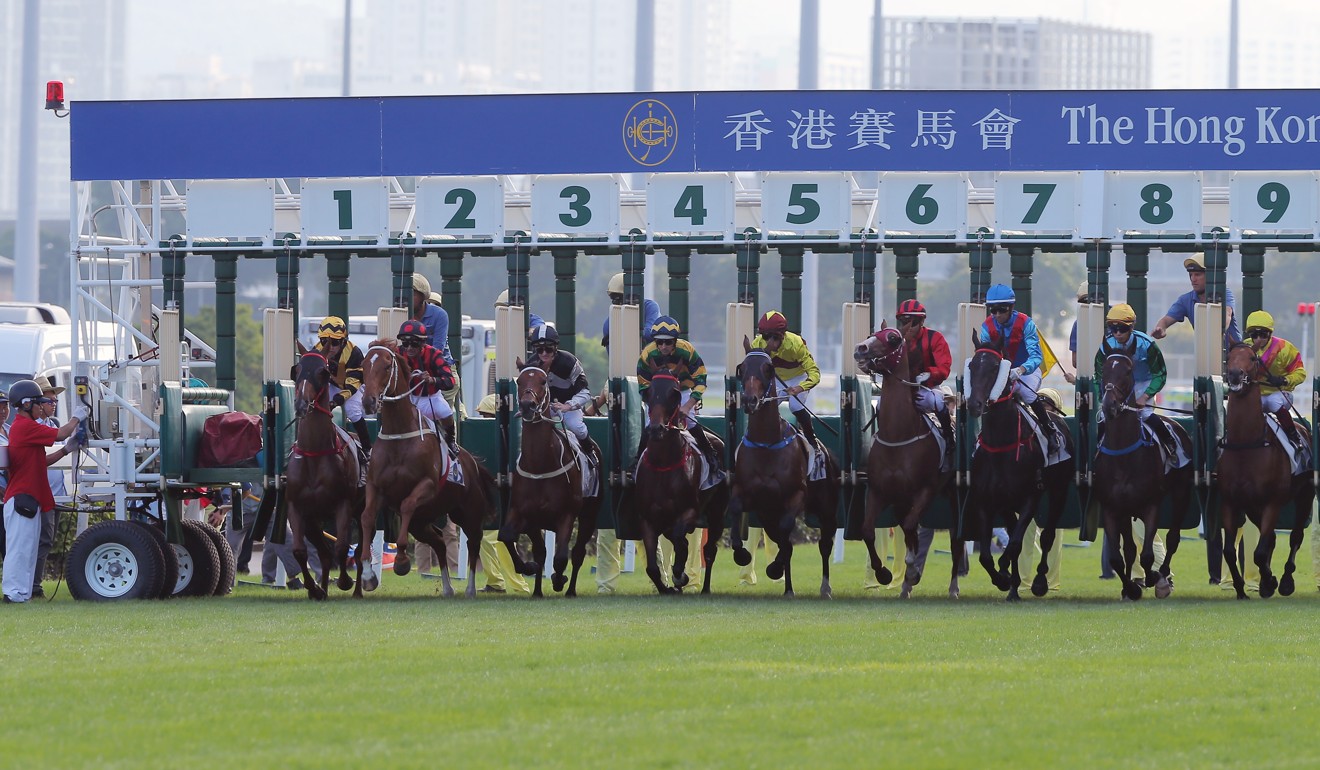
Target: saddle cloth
[1301, 460]
[710, 474]
[1178, 459]
[590, 473]
[816, 465]
[352, 440]
[1051, 458]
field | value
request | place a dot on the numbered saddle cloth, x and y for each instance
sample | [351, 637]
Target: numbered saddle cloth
[710, 473]
[1179, 458]
[816, 465]
[590, 473]
[1051, 458]
[1300, 458]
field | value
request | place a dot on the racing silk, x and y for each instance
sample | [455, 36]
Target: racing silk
[568, 380]
[792, 359]
[929, 353]
[431, 361]
[1023, 345]
[1149, 372]
[684, 363]
[436, 321]
[1280, 357]
[346, 370]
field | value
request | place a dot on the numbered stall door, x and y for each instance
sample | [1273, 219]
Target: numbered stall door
[357, 209]
[575, 205]
[806, 203]
[1273, 203]
[690, 204]
[467, 207]
[922, 204]
[1038, 203]
[1152, 202]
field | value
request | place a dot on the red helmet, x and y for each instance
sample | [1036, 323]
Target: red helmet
[911, 307]
[773, 322]
[412, 329]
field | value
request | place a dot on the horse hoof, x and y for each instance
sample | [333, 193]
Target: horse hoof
[1012, 597]
[1002, 581]
[1242, 596]
[572, 593]
[1287, 586]
[680, 581]
[371, 583]
[774, 570]
[315, 593]
[906, 593]
[742, 557]
[344, 583]
[1267, 586]
[1040, 586]
[402, 567]
[529, 569]
[1133, 591]
[1163, 589]
[558, 582]
[954, 595]
[884, 576]
[447, 592]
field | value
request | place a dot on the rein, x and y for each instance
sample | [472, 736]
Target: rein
[542, 415]
[386, 397]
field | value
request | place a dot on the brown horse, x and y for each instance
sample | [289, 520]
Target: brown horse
[669, 487]
[1131, 481]
[410, 471]
[547, 488]
[903, 465]
[770, 476]
[1261, 482]
[322, 480]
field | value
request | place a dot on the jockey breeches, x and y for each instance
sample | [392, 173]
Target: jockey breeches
[691, 417]
[795, 403]
[353, 407]
[435, 406]
[1146, 413]
[1026, 386]
[1276, 401]
[928, 401]
[573, 421]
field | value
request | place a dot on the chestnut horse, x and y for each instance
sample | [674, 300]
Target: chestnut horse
[321, 484]
[770, 476]
[1261, 481]
[1131, 481]
[903, 465]
[410, 468]
[1005, 467]
[547, 488]
[668, 487]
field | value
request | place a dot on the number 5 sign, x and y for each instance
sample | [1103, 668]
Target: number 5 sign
[806, 203]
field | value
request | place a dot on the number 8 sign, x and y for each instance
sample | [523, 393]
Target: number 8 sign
[1152, 201]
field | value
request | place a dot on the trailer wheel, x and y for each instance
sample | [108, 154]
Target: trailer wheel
[169, 560]
[114, 560]
[228, 570]
[199, 563]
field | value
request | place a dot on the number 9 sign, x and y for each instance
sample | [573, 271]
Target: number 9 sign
[1273, 202]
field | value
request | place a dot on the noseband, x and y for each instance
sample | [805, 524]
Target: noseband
[394, 375]
[767, 395]
[542, 413]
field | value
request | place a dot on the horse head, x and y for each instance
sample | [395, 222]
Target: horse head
[1118, 381]
[663, 397]
[533, 392]
[757, 374]
[881, 353]
[1243, 367]
[985, 378]
[380, 375]
[311, 384]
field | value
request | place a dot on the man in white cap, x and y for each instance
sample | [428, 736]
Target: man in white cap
[1183, 307]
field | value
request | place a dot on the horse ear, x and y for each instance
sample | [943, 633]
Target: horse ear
[518, 362]
[302, 349]
[747, 344]
[884, 323]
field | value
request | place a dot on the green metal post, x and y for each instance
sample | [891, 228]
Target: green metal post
[748, 259]
[1216, 271]
[980, 259]
[907, 263]
[566, 297]
[451, 297]
[865, 255]
[518, 262]
[1253, 281]
[287, 268]
[634, 272]
[336, 272]
[173, 268]
[1137, 258]
[790, 268]
[401, 267]
[1098, 256]
[680, 269]
[226, 352]
[1020, 263]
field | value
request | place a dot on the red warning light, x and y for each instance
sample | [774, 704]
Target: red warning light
[54, 95]
[1306, 308]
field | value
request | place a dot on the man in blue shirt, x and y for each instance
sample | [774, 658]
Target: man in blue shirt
[436, 321]
[650, 311]
[1184, 307]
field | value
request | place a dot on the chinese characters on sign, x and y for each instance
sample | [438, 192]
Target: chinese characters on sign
[811, 129]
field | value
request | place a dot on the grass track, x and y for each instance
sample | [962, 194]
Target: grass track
[742, 679]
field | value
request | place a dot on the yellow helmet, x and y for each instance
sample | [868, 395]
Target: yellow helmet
[421, 284]
[615, 285]
[333, 328]
[1260, 320]
[1122, 313]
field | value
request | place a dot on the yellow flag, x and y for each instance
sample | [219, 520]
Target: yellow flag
[1048, 359]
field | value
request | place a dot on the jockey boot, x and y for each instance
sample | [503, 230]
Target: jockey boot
[589, 447]
[1046, 424]
[364, 435]
[804, 425]
[1162, 434]
[1289, 427]
[946, 429]
[703, 443]
[450, 432]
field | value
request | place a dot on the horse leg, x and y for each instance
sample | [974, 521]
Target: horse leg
[559, 579]
[1113, 524]
[1132, 589]
[650, 542]
[678, 537]
[779, 530]
[1286, 584]
[1230, 527]
[538, 558]
[1264, 554]
[344, 526]
[716, 507]
[986, 558]
[741, 556]
[300, 553]
[433, 537]
[1040, 585]
[322, 545]
[873, 505]
[586, 531]
[959, 552]
[1164, 585]
[912, 574]
[368, 580]
[509, 534]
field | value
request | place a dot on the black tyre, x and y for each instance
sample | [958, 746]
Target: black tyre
[199, 562]
[228, 569]
[114, 560]
[169, 560]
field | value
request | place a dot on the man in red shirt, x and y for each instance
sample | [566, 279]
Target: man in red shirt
[28, 494]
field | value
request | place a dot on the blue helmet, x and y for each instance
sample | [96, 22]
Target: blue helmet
[999, 293]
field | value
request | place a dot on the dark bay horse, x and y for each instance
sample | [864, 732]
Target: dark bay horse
[1005, 467]
[668, 487]
[410, 467]
[547, 488]
[1131, 481]
[770, 476]
[322, 480]
[903, 465]
[1255, 476]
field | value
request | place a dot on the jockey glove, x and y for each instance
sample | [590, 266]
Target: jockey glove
[923, 377]
[1016, 372]
[1274, 381]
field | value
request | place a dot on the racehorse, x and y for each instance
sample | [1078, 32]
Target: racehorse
[547, 489]
[410, 471]
[668, 487]
[1131, 481]
[770, 476]
[1261, 481]
[322, 479]
[1005, 467]
[903, 465]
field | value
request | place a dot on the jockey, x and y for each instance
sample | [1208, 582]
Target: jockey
[345, 362]
[1282, 370]
[569, 391]
[794, 366]
[930, 361]
[431, 376]
[1021, 347]
[667, 353]
[1149, 372]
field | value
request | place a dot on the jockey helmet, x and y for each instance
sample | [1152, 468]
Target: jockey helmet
[1260, 320]
[1083, 292]
[910, 307]
[665, 328]
[25, 391]
[773, 322]
[999, 293]
[333, 328]
[1195, 263]
[545, 333]
[503, 299]
[1051, 395]
[1121, 313]
[412, 330]
[421, 284]
[615, 285]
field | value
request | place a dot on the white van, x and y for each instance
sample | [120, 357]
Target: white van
[35, 340]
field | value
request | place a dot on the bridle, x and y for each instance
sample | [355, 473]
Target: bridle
[768, 395]
[338, 445]
[386, 397]
[1248, 375]
[542, 413]
[315, 402]
[670, 421]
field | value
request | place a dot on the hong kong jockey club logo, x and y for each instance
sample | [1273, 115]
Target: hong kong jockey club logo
[650, 132]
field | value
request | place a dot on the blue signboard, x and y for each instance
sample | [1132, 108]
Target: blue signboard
[718, 131]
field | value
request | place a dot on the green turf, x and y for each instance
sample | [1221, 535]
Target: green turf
[745, 679]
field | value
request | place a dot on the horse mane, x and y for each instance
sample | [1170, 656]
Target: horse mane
[389, 343]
